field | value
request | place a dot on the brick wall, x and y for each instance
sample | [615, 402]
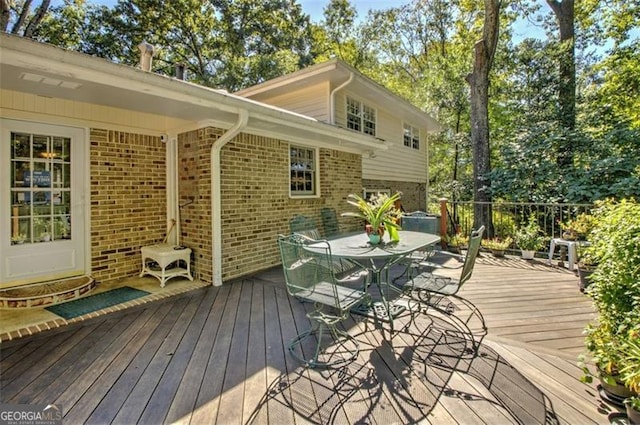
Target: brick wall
[128, 200]
[194, 193]
[413, 194]
[256, 206]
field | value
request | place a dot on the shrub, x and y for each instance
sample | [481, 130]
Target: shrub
[615, 287]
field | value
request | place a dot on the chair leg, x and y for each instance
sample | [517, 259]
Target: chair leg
[445, 306]
[338, 353]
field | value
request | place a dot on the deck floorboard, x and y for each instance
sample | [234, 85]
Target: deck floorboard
[219, 355]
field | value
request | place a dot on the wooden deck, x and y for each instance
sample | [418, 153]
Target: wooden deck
[217, 355]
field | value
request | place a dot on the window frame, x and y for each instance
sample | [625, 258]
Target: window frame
[363, 116]
[315, 173]
[413, 133]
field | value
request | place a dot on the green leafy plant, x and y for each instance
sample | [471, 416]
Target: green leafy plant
[615, 287]
[582, 225]
[379, 211]
[634, 402]
[458, 240]
[19, 238]
[497, 244]
[530, 237]
[630, 360]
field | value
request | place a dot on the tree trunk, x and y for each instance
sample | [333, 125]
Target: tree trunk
[564, 12]
[35, 21]
[479, 83]
[5, 14]
[23, 16]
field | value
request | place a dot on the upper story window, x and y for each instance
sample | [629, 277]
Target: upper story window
[411, 136]
[361, 117]
[304, 169]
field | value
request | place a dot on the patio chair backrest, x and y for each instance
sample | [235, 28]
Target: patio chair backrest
[304, 225]
[304, 269]
[472, 253]
[329, 221]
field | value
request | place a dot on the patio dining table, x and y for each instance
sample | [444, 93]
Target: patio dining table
[378, 259]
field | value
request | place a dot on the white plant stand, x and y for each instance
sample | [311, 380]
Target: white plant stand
[572, 250]
[165, 255]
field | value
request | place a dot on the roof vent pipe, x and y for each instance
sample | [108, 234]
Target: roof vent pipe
[146, 55]
[180, 68]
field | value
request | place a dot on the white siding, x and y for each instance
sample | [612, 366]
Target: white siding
[312, 101]
[19, 105]
[398, 163]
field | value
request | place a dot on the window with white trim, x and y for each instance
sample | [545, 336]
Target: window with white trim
[361, 117]
[411, 136]
[304, 169]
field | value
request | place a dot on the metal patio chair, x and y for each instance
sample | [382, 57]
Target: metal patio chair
[307, 278]
[304, 225]
[329, 221]
[344, 269]
[437, 291]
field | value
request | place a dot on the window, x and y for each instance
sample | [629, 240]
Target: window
[303, 170]
[361, 117]
[411, 137]
[40, 188]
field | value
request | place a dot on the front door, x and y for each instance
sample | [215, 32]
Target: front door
[42, 202]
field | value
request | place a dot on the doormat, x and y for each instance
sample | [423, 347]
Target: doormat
[76, 308]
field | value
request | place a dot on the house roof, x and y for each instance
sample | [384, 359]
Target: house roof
[45, 70]
[337, 72]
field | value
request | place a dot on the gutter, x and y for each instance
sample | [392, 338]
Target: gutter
[332, 98]
[216, 203]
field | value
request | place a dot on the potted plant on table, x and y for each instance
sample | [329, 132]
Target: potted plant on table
[379, 213]
[529, 238]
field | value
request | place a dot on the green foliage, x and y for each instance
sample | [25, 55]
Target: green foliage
[529, 237]
[458, 240]
[497, 244]
[229, 44]
[615, 287]
[379, 211]
[630, 360]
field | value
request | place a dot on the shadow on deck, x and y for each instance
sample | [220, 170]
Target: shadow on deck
[217, 355]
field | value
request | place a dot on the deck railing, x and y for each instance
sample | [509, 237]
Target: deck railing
[509, 216]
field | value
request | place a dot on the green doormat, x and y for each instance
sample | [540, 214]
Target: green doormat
[76, 308]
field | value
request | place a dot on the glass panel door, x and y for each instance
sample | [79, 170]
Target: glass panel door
[44, 202]
[40, 188]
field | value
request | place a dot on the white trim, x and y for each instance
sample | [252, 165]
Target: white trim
[363, 104]
[412, 129]
[73, 122]
[316, 175]
[79, 247]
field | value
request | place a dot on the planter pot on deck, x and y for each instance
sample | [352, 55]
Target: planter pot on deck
[584, 273]
[614, 389]
[498, 252]
[633, 415]
[528, 255]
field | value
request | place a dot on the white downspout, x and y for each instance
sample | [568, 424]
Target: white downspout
[332, 98]
[216, 204]
[173, 212]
